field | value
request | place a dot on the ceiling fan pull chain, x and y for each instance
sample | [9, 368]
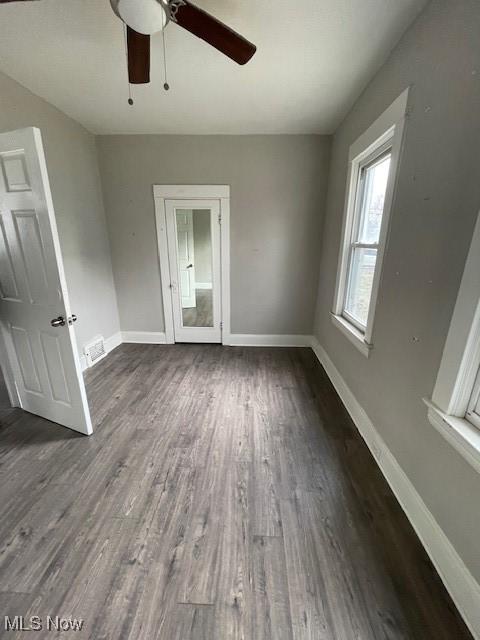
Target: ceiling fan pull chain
[130, 99]
[166, 86]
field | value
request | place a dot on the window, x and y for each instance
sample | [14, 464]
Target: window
[373, 160]
[370, 195]
[473, 409]
[454, 409]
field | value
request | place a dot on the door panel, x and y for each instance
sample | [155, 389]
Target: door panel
[52, 355]
[24, 352]
[193, 232]
[32, 254]
[33, 292]
[8, 282]
[14, 169]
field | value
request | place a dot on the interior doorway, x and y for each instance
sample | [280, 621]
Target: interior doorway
[192, 227]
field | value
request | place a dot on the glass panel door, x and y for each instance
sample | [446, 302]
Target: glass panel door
[194, 255]
[193, 230]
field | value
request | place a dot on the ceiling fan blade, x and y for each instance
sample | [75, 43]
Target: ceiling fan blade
[138, 46]
[208, 28]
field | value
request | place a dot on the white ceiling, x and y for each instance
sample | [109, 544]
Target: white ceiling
[313, 59]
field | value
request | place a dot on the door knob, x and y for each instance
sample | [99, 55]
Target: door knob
[58, 322]
[189, 266]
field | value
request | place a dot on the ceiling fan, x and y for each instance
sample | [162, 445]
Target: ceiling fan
[146, 17]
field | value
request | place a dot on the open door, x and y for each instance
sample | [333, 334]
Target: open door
[35, 317]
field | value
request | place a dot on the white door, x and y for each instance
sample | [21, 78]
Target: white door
[186, 258]
[35, 317]
[197, 316]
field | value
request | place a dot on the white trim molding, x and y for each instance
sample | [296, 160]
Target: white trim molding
[355, 336]
[191, 191]
[386, 133]
[447, 410]
[144, 337]
[460, 433]
[257, 340]
[459, 582]
[113, 342]
[237, 340]
[203, 285]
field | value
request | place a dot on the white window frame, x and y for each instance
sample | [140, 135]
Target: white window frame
[473, 414]
[458, 374]
[386, 133]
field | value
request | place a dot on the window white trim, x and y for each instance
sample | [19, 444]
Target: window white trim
[473, 409]
[461, 434]
[386, 132]
[460, 363]
[355, 336]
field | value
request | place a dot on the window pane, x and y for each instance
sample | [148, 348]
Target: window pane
[375, 178]
[473, 411]
[359, 286]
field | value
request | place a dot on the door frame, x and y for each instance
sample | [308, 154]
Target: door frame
[163, 192]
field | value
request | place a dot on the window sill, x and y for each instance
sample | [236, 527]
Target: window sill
[355, 336]
[462, 435]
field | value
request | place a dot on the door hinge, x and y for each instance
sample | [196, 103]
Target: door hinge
[221, 325]
[219, 218]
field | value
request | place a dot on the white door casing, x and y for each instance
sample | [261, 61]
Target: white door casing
[43, 359]
[186, 258]
[183, 333]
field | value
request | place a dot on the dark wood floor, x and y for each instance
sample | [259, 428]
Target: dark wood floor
[225, 495]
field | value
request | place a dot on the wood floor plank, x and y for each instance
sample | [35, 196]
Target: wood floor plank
[234, 607]
[267, 519]
[188, 622]
[271, 603]
[225, 494]
[148, 583]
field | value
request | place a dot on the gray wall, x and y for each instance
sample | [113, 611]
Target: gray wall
[432, 221]
[277, 197]
[202, 240]
[75, 182]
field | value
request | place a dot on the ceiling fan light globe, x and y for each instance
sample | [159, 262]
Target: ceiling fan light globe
[143, 16]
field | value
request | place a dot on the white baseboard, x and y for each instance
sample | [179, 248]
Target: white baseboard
[83, 362]
[236, 339]
[144, 337]
[113, 342]
[257, 340]
[461, 585]
[203, 285]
